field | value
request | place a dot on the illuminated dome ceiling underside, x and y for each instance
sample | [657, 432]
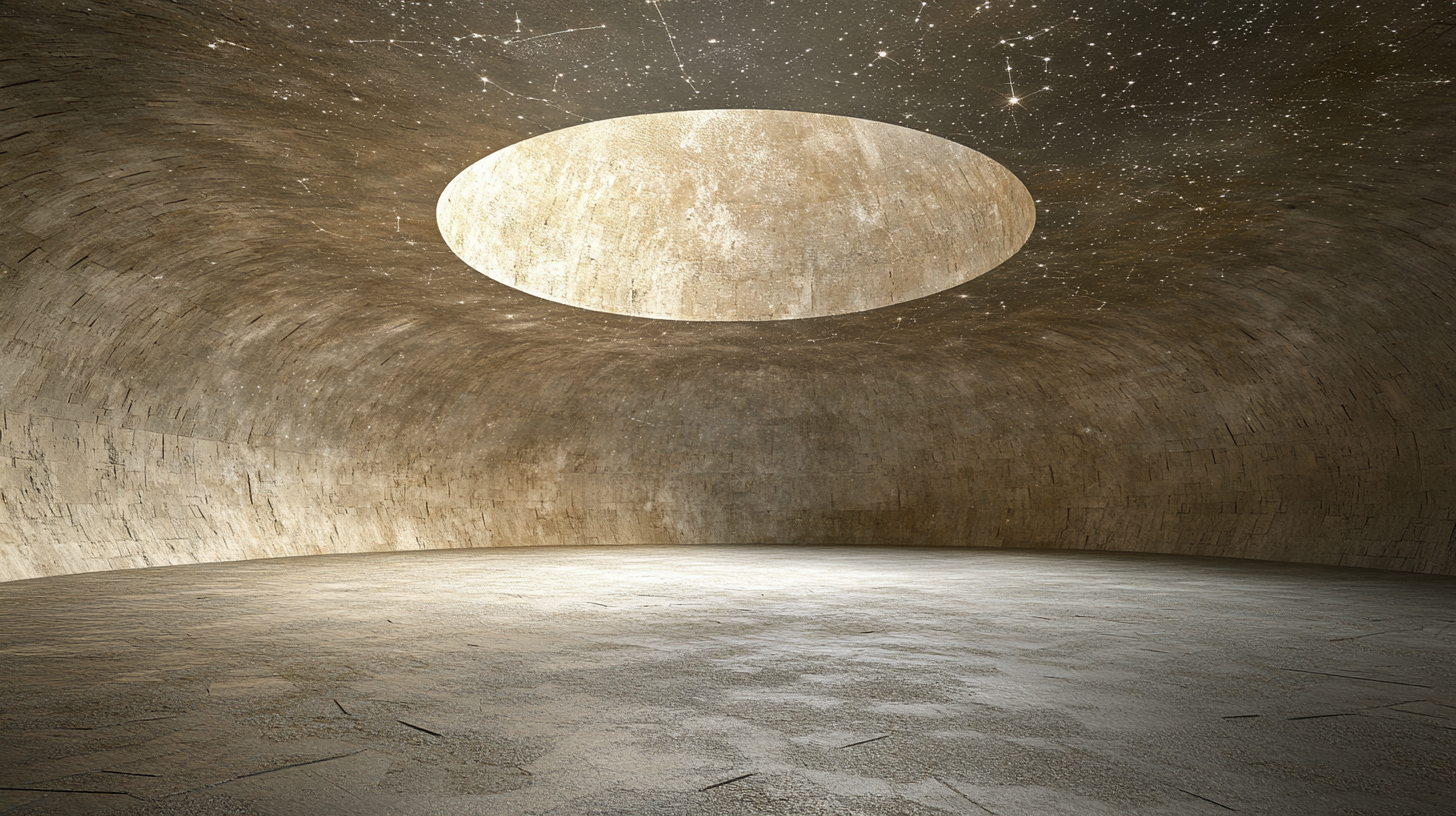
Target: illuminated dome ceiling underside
[229, 326]
[735, 215]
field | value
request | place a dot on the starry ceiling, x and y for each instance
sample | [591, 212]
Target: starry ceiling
[1146, 129]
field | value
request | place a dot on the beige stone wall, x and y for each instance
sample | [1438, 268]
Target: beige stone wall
[230, 329]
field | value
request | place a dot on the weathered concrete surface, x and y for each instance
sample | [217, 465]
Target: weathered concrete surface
[730, 680]
[735, 215]
[229, 327]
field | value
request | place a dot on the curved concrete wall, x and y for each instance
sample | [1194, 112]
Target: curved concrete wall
[230, 329]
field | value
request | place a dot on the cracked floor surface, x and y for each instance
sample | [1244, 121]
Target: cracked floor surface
[735, 679]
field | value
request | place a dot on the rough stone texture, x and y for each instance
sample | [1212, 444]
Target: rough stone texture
[735, 215]
[230, 329]
[731, 680]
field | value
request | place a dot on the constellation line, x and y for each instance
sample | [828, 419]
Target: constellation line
[683, 69]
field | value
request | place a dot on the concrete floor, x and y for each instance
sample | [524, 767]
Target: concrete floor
[729, 680]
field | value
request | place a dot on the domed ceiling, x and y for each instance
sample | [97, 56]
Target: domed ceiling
[230, 327]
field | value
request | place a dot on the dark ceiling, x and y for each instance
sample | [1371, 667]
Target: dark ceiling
[1230, 333]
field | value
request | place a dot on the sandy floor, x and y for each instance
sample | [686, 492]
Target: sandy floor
[729, 680]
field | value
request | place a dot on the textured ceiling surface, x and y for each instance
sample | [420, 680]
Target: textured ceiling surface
[229, 326]
[734, 215]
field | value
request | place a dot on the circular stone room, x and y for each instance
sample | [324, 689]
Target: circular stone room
[885, 407]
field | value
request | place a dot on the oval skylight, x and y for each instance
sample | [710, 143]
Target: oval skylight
[735, 215]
